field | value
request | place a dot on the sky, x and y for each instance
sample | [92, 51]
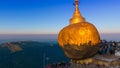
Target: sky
[50, 16]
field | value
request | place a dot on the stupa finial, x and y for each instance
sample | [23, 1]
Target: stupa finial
[76, 2]
[77, 17]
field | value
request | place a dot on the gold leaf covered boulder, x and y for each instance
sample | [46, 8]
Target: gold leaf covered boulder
[80, 39]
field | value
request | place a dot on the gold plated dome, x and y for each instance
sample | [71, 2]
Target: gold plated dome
[80, 39]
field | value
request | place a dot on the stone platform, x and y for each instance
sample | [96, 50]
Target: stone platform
[98, 61]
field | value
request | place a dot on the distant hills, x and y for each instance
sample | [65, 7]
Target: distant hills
[110, 36]
[29, 54]
[50, 37]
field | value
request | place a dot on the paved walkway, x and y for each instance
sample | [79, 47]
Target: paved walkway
[98, 61]
[107, 58]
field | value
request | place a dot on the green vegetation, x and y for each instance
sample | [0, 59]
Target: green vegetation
[29, 54]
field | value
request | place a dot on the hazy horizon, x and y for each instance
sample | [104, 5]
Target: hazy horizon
[51, 37]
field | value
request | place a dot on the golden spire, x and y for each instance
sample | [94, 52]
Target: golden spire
[77, 17]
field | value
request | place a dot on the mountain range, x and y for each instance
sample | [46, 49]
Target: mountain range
[30, 54]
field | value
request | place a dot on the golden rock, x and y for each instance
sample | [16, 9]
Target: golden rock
[80, 39]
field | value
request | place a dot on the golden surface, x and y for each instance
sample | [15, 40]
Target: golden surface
[77, 17]
[79, 34]
[79, 40]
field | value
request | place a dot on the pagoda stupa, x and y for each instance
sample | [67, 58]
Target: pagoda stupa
[80, 39]
[80, 42]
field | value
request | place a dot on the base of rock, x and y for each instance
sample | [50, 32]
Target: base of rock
[98, 61]
[78, 52]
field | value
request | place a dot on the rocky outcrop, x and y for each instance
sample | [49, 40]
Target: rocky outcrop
[12, 47]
